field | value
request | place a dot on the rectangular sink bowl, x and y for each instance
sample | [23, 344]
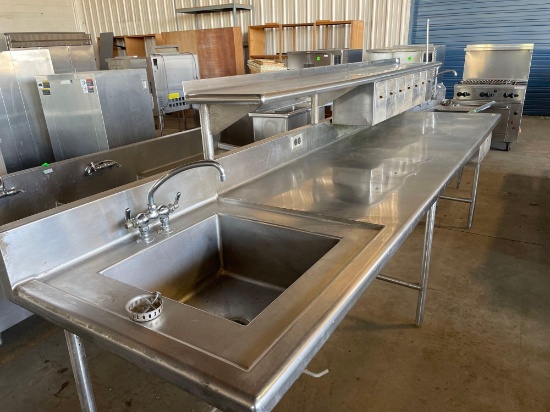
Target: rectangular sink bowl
[228, 266]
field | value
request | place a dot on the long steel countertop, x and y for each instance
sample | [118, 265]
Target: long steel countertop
[265, 88]
[387, 176]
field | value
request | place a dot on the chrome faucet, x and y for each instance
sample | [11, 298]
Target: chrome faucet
[154, 212]
[447, 71]
[434, 88]
[4, 192]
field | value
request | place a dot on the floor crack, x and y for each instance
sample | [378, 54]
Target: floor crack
[493, 237]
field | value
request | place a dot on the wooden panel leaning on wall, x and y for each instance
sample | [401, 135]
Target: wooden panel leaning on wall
[220, 51]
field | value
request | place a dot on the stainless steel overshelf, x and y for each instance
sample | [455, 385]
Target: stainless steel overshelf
[355, 192]
[266, 88]
[224, 101]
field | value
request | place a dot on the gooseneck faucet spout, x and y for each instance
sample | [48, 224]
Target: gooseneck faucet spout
[178, 170]
[142, 220]
[448, 71]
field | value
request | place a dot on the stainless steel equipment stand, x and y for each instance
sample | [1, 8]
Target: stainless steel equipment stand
[80, 370]
[421, 287]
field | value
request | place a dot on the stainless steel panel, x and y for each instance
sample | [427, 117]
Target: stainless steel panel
[410, 53]
[61, 60]
[267, 124]
[409, 56]
[394, 103]
[25, 141]
[417, 94]
[364, 105]
[71, 59]
[430, 76]
[514, 122]
[324, 57]
[126, 62]
[82, 58]
[93, 111]
[64, 182]
[10, 313]
[409, 86]
[404, 103]
[494, 61]
[166, 72]
[380, 99]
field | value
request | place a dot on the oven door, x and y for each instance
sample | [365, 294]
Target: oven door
[501, 131]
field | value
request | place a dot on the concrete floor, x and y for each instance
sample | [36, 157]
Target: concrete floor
[484, 346]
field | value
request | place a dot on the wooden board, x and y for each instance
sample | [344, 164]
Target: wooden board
[220, 51]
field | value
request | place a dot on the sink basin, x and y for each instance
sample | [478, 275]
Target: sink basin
[228, 266]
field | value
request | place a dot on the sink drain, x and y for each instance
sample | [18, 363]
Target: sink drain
[240, 321]
[144, 308]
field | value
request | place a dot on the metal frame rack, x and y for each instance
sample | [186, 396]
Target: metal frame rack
[196, 10]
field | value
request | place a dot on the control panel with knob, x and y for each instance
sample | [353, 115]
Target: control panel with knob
[463, 94]
[486, 94]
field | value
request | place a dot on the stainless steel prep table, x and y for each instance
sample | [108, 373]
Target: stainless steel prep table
[385, 177]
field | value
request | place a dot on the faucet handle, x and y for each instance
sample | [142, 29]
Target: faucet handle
[129, 224]
[175, 205]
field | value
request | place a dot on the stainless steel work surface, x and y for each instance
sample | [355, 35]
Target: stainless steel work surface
[384, 174]
[324, 206]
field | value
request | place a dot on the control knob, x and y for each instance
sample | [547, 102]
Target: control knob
[511, 95]
[463, 94]
[486, 94]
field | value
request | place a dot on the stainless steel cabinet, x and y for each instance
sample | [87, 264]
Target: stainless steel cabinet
[166, 72]
[93, 111]
[24, 142]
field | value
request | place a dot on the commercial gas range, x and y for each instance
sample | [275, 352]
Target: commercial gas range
[500, 73]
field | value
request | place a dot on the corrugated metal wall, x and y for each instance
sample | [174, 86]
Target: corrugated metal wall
[457, 23]
[386, 21]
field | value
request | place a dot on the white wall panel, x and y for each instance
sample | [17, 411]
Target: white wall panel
[31, 15]
[386, 21]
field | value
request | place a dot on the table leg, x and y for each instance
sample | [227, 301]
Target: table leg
[459, 177]
[428, 238]
[80, 370]
[474, 194]
[207, 138]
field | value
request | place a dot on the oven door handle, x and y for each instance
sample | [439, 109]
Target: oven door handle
[482, 107]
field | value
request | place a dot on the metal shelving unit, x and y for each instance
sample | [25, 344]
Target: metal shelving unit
[219, 8]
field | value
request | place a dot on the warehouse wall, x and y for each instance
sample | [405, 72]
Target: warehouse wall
[30, 15]
[457, 23]
[386, 21]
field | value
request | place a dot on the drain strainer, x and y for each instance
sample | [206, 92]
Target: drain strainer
[240, 321]
[144, 308]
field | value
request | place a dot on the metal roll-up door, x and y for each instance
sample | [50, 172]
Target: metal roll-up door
[457, 23]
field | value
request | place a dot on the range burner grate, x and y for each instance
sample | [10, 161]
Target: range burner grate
[492, 82]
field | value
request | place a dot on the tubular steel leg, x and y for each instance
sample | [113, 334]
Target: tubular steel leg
[80, 370]
[474, 195]
[428, 237]
[459, 177]
[206, 132]
[315, 109]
